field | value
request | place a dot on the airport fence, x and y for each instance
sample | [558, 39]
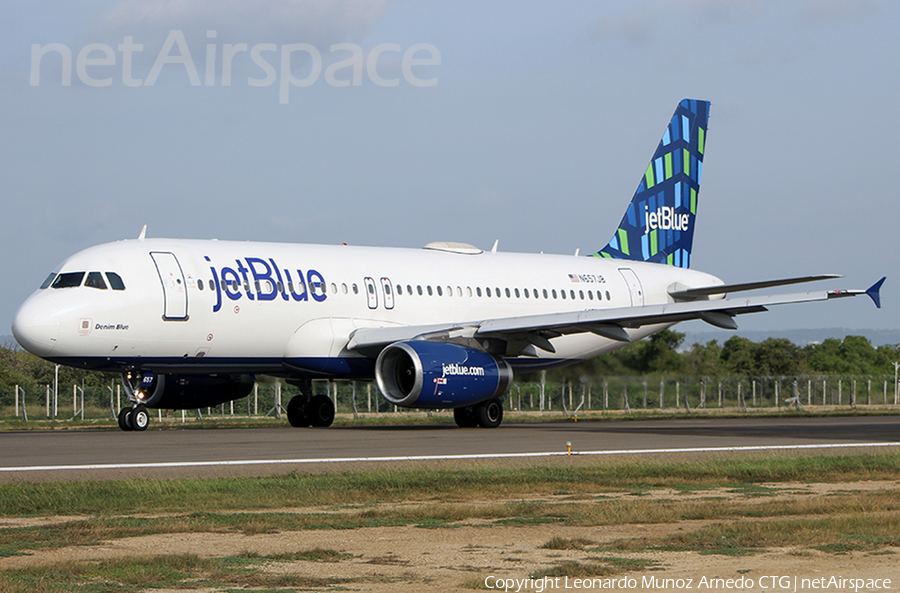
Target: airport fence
[569, 397]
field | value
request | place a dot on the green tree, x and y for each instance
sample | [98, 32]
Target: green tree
[705, 360]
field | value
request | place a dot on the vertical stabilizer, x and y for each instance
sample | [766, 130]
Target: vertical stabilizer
[659, 223]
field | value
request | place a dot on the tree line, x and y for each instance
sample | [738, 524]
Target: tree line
[661, 354]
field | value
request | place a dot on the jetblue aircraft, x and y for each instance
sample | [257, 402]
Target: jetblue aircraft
[189, 323]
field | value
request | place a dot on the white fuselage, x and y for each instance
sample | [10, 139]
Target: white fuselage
[277, 308]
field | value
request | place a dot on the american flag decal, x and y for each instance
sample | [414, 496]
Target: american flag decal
[574, 278]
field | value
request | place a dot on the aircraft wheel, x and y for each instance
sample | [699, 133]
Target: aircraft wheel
[296, 412]
[140, 418]
[464, 417]
[125, 419]
[489, 413]
[320, 411]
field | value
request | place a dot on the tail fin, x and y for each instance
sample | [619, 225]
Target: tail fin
[659, 223]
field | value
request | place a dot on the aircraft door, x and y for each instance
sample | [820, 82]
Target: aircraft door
[175, 298]
[371, 293]
[388, 293]
[634, 286]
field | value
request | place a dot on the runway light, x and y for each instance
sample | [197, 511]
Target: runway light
[568, 447]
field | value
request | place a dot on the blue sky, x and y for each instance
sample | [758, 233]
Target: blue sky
[539, 126]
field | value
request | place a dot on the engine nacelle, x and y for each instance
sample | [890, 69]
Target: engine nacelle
[186, 392]
[421, 374]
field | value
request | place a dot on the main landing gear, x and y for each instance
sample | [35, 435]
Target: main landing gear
[313, 411]
[487, 414]
[134, 418]
[309, 410]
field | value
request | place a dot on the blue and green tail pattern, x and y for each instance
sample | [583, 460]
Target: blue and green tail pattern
[659, 223]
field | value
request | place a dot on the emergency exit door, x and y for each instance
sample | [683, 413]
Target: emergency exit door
[634, 286]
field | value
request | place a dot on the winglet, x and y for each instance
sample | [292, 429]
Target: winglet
[874, 292]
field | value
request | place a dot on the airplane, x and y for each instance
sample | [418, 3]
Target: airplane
[191, 323]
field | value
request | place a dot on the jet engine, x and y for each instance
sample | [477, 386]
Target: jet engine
[422, 374]
[185, 392]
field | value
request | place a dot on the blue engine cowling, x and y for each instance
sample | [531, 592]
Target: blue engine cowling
[187, 392]
[421, 374]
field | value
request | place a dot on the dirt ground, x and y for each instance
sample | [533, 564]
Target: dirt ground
[475, 554]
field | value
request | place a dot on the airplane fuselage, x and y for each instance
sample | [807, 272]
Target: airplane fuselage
[285, 309]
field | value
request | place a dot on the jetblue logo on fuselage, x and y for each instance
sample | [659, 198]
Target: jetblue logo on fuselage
[665, 219]
[261, 279]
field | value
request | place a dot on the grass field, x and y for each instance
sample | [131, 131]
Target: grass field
[734, 507]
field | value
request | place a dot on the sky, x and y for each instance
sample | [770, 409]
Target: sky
[526, 122]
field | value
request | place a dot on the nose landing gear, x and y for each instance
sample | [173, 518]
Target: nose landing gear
[135, 417]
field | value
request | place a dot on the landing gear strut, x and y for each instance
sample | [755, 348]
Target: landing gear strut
[134, 417]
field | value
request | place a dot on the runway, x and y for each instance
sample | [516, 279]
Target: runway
[225, 452]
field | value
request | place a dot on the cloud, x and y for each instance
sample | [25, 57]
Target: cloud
[277, 21]
[662, 21]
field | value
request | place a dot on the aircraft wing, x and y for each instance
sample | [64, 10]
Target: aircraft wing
[537, 330]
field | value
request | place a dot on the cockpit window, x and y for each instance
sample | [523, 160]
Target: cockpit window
[68, 280]
[95, 280]
[48, 280]
[115, 281]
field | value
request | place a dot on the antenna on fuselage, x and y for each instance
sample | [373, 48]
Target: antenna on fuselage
[143, 233]
[494, 248]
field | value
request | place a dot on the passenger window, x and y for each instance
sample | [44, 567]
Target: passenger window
[399, 289]
[344, 288]
[581, 294]
[469, 291]
[507, 293]
[590, 295]
[553, 292]
[487, 291]
[607, 295]
[562, 293]
[545, 293]
[355, 288]
[572, 294]
[419, 289]
[200, 284]
[212, 285]
[517, 293]
[430, 293]
[498, 293]
[68, 280]
[48, 281]
[478, 290]
[95, 280]
[440, 291]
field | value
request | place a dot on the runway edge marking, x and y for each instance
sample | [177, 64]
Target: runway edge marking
[172, 464]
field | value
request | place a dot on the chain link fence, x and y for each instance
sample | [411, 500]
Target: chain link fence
[568, 397]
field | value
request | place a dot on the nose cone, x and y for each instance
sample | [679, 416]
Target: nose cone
[36, 326]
